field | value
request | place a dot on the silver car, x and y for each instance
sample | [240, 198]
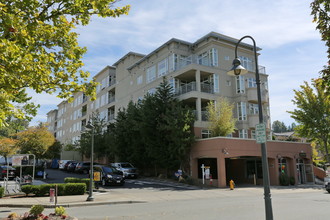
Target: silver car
[128, 169]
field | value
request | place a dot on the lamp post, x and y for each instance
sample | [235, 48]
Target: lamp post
[91, 172]
[237, 70]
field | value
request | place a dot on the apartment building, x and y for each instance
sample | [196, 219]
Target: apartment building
[197, 72]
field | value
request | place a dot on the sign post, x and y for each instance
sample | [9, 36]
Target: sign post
[261, 133]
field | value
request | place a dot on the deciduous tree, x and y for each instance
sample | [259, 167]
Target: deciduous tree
[35, 140]
[7, 147]
[39, 50]
[220, 116]
[313, 114]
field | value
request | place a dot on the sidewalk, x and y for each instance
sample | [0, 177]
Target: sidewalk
[128, 195]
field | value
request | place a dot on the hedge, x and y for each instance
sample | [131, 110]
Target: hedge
[78, 180]
[62, 189]
[2, 192]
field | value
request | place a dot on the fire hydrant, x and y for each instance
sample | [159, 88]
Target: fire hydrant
[231, 184]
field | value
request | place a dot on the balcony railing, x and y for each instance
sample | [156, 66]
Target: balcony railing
[186, 88]
[111, 117]
[111, 99]
[112, 82]
[208, 88]
[205, 116]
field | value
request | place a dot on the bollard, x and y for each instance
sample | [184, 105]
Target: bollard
[51, 195]
[231, 184]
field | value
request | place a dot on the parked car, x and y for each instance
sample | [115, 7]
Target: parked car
[61, 164]
[327, 183]
[66, 165]
[84, 167]
[128, 169]
[11, 172]
[72, 166]
[110, 175]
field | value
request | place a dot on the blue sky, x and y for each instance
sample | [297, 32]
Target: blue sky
[292, 51]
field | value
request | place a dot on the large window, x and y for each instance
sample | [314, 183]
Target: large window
[208, 58]
[151, 74]
[252, 83]
[246, 62]
[240, 86]
[162, 68]
[253, 109]
[216, 83]
[206, 133]
[241, 111]
[243, 133]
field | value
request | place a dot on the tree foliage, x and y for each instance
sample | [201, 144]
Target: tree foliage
[39, 50]
[54, 151]
[158, 130]
[14, 125]
[313, 114]
[35, 140]
[321, 14]
[220, 116]
[7, 147]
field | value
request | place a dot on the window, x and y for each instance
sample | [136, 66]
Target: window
[162, 68]
[241, 111]
[246, 62]
[206, 133]
[252, 83]
[253, 109]
[227, 58]
[282, 166]
[151, 74]
[240, 86]
[253, 134]
[216, 83]
[140, 80]
[104, 82]
[208, 58]
[152, 91]
[243, 133]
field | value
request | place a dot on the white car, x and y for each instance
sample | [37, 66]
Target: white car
[61, 164]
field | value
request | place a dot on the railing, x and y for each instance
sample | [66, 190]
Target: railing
[111, 99]
[208, 88]
[112, 82]
[111, 117]
[186, 88]
[205, 116]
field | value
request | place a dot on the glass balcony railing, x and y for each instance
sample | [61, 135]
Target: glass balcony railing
[186, 88]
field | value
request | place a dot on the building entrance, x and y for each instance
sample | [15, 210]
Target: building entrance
[301, 172]
[244, 170]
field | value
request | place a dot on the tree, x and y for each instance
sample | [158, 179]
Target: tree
[35, 140]
[39, 50]
[220, 116]
[279, 127]
[14, 125]
[321, 14]
[313, 114]
[54, 151]
[7, 147]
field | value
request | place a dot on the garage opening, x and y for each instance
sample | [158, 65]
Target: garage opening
[244, 170]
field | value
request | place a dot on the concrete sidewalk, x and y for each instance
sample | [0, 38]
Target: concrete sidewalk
[129, 195]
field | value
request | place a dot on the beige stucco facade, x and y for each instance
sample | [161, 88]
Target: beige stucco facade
[240, 160]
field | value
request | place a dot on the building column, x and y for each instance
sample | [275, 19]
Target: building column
[198, 80]
[221, 171]
[199, 109]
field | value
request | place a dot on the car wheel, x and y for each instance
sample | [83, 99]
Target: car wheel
[103, 182]
[328, 190]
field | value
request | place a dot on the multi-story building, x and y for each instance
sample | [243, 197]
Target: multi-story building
[197, 72]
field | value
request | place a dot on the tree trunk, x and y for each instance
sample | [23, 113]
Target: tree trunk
[325, 141]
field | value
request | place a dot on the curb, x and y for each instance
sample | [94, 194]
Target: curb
[68, 205]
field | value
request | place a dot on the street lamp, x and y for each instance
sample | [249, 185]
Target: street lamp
[91, 172]
[237, 70]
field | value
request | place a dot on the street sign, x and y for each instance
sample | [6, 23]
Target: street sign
[261, 133]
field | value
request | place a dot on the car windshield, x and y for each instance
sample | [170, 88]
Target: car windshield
[126, 165]
[111, 170]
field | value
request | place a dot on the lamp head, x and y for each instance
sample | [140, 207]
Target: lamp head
[237, 68]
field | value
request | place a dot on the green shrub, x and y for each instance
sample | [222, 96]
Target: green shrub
[78, 180]
[2, 192]
[36, 190]
[292, 180]
[36, 210]
[284, 179]
[60, 210]
[75, 189]
[27, 189]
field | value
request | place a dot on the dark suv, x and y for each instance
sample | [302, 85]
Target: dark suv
[109, 175]
[83, 167]
[128, 169]
[11, 172]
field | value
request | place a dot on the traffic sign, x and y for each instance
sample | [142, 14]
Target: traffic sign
[261, 133]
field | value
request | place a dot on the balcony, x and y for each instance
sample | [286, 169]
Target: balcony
[207, 88]
[252, 95]
[205, 116]
[186, 88]
[111, 99]
[112, 82]
[111, 117]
